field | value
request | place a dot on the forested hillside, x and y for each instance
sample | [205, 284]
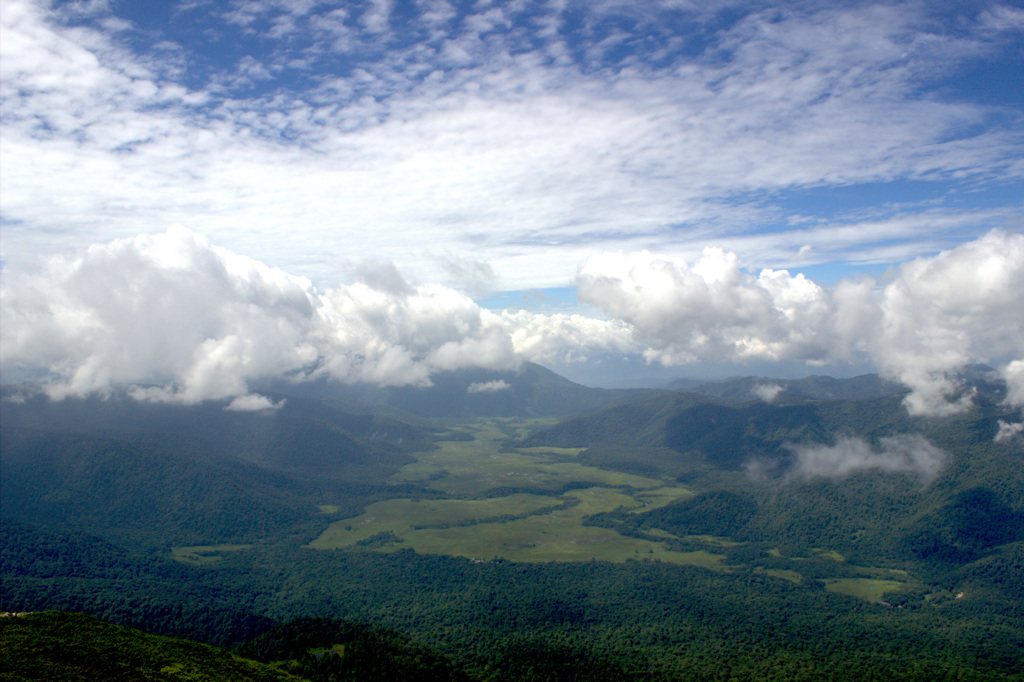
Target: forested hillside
[669, 536]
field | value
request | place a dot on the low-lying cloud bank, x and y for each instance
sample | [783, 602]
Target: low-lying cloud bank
[911, 454]
[200, 322]
[921, 323]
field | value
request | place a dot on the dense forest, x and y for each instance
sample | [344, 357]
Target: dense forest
[726, 554]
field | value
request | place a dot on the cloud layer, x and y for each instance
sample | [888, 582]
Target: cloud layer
[911, 454]
[200, 322]
[919, 324]
[523, 135]
[183, 320]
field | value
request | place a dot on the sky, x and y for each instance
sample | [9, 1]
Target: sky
[198, 195]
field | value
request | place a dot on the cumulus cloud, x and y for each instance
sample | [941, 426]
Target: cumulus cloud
[1009, 431]
[918, 325]
[1013, 374]
[566, 338]
[767, 392]
[938, 314]
[202, 322]
[489, 386]
[711, 310]
[912, 454]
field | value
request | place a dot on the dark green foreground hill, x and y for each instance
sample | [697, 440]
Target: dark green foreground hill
[53, 645]
[56, 645]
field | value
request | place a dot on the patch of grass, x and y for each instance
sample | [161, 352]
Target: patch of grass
[830, 554]
[551, 450]
[659, 497]
[406, 517]
[538, 515]
[474, 467]
[328, 508]
[713, 540]
[791, 576]
[203, 554]
[435, 527]
[869, 589]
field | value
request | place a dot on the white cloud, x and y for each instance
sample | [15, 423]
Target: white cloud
[712, 311]
[562, 338]
[489, 386]
[253, 402]
[898, 454]
[202, 322]
[926, 320]
[1009, 431]
[1013, 374]
[483, 147]
[939, 314]
[767, 392]
[516, 157]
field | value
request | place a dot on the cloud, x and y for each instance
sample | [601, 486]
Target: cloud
[709, 311]
[253, 403]
[562, 338]
[1013, 374]
[1009, 431]
[489, 386]
[475, 276]
[534, 140]
[898, 454]
[919, 325]
[767, 392]
[938, 314]
[477, 144]
[202, 322]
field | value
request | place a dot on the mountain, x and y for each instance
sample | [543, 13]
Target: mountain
[745, 389]
[816, 531]
[860, 476]
[52, 645]
[529, 391]
[301, 436]
[191, 474]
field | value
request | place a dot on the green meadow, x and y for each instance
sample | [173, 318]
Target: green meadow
[869, 589]
[203, 554]
[524, 504]
[531, 505]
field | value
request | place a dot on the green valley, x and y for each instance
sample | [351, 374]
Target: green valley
[663, 535]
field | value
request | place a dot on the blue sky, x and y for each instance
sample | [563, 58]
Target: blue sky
[504, 153]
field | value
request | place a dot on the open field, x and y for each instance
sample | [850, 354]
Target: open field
[469, 528]
[869, 589]
[530, 505]
[472, 468]
[203, 554]
[522, 505]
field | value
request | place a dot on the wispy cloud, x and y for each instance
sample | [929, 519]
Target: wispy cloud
[489, 386]
[497, 131]
[767, 392]
[911, 454]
